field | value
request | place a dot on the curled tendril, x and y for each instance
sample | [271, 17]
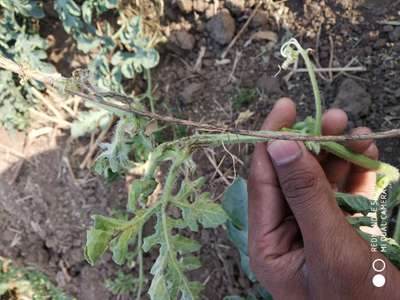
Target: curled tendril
[290, 51]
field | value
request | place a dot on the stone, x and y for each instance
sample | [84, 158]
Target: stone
[394, 36]
[200, 5]
[183, 39]
[235, 6]
[353, 98]
[222, 27]
[186, 6]
[268, 85]
[260, 19]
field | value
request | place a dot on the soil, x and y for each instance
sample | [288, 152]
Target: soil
[47, 200]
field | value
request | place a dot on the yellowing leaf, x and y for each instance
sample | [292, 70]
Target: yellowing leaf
[244, 117]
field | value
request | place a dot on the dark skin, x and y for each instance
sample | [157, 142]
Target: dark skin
[300, 243]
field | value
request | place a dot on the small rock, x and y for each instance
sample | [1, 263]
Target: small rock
[210, 12]
[189, 91]
[352, 98]
[250, 3]
[387, 28]
[89, 286]
[395, 34]
[200, 5]
[268, 85]
[396, 46]
[221, 27]
[235, 6]
[183, 39]
[186, 6]
[260, 19]
[379, 43]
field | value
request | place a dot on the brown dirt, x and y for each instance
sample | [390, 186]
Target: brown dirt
[44, 214]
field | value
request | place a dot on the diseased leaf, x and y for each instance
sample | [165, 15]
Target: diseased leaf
[140, 189]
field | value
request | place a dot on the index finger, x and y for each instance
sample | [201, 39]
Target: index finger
[267, 207]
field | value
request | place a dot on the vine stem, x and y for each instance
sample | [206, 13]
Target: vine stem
[56, 80]
[317, 95]
[149, 91]
[140, 260]
[291, 57]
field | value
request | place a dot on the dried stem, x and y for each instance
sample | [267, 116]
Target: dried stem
[101, 99]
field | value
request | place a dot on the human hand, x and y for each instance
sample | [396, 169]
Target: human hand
[300, 243]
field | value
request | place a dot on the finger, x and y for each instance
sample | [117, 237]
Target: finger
[362, 181]
[266, 208]
[334, 122]
[306, 190]
[359, 146]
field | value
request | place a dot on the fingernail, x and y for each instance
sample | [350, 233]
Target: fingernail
[284, 152]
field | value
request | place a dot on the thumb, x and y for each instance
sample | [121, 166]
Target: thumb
[307, 191]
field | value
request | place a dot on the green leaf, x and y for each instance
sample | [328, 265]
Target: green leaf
[354, 203]
[158, 289]
[27, 8]
[120, 244]
[115, 157]
[314, 147]
[203, 211]
[154, 239]
[96, 244]
[360, 221]
[235, 203]
[190, 263]
[387, 246]
[107, 223]
[87, 9]
[185, 245]
[89, 121]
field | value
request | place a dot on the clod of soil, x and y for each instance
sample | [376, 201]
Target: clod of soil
[200, 5]
[353, 98]
[183, 39]
[190, 90]
[222, 27]
[260, 19]
[186, 6]
[394, 36]
[268, 85]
